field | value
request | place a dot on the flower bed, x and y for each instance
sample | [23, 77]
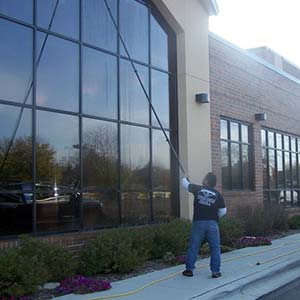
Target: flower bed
[252, 241]
[82, 285]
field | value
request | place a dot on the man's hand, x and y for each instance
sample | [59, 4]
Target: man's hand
[185, 183]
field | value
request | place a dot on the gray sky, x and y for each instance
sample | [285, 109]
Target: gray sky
[254, 23]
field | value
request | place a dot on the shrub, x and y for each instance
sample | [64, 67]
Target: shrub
[58, 261]
[115, 250]
[204, 251]
[261, 221]
[20, 275]
[170, 237]
[230, 230]
[294, 222]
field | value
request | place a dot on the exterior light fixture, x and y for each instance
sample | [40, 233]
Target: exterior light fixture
[202, 98]
[261, 117]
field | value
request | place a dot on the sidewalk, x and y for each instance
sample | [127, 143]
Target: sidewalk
[242, 277]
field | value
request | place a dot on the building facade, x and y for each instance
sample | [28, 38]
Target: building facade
[258, 160]
[80, 147]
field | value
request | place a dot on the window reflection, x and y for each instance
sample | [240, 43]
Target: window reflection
[15, 170]
[99, 84]
[100, 154]
[271, 139]
[15, 146]
[100, 209]
[162, 209]
[64, 16]
[21, 10]
[57, 156]
[265, 168]
[134, 104]
[134, 29]
[58, 73]
[280, 173]
[235, 166]
[160, 98]
[161, 168]
[234, 131]
[16, 62]
[224, 129]
[272, 169]
[135, 208]
[159, 45]
[135, 157]
[287, 169]
[57, 149]
[245, 166]
[98, 28]
[225, 165]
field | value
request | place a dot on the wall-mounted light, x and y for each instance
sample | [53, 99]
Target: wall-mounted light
[202, 98]
[261, 117]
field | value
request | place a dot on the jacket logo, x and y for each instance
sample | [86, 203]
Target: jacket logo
[206, 197]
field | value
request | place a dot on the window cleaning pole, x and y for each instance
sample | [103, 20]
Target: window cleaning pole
[142, 86]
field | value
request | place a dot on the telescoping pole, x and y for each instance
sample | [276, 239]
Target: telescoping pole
[143, 88]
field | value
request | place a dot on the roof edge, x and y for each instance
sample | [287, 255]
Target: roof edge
[254, 57]
[211, 6]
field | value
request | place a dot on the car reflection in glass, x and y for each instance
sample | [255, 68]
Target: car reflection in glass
[57, 208]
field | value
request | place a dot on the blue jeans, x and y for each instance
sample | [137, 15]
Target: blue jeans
[210, 231]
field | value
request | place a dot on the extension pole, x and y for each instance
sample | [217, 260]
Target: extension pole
[144, 90]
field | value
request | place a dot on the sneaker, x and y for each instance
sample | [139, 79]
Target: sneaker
[188, 273]
[216, 274]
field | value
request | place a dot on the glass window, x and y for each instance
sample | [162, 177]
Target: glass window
[100, 209]
[280, 172]
[235, 166]
[16, 62]
[272, 169]
[135, 156]
[57, 73]
[160, 98]
[294, 170]
[19, 9]
[244, 129]
[134, 29]
[271, 139]
[98, 28]
[57, 149]
[278, 141]
[15, 147]
[59, 16]
[134, 104]
[224, 129]
[293, 144]
[135, 208]
[234, 131]
[235, 155]
[99, 84]
[286, 143]
[225, 165]
[287, 165]
[245, 166]
[162, 208]
[263, 138]
[159, 45]
[100, 154]
[161, 164]
[265, 168]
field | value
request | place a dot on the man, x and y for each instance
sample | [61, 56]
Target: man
[209, 206]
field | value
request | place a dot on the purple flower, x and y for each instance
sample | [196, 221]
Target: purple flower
[252, 241]
[82, 285]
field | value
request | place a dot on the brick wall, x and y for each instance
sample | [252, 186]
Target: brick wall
[240, 87]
